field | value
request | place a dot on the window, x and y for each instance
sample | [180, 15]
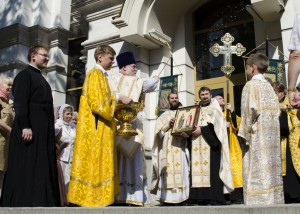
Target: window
[76, 72]
[212, 21]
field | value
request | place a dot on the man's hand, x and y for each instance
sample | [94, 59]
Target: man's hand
[197, 131]
[184, 135]
[156, 78]
[171, 123]
[27, 134]
[124, 99]
[294, 99]
[228, 107]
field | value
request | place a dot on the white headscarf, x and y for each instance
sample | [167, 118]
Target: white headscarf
[61, 114]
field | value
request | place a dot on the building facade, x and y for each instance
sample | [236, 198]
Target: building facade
[154, 30]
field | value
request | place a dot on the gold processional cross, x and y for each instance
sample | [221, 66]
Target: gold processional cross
[227, 50]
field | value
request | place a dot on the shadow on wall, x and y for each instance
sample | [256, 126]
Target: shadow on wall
[38, 13]
[11, 12]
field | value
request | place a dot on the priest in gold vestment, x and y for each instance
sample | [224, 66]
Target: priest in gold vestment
[94, 179]
[170, 157]
[292, 178]
[262, 180]
[211, 175]
[290, 149]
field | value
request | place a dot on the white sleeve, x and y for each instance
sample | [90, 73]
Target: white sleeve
[57, 127]
[295, 37]
[161, 134]
[150, 84]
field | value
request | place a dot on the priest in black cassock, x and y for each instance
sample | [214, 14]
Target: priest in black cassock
[210, 173]
[31, 177]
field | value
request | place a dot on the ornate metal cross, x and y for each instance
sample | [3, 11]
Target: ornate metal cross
[227, 50]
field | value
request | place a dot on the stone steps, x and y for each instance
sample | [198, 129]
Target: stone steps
[232, 209]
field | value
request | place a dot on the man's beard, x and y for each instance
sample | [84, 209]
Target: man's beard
[174, 106]
[205, 103]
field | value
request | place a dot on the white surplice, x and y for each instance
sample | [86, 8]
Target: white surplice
[132, 170]
[200, 167]
[170, 179]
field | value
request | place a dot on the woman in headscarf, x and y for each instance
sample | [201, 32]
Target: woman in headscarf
[75, 117]
[6, 120]
[65, 132]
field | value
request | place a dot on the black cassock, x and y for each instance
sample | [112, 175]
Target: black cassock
[211, 195]
[31, 177]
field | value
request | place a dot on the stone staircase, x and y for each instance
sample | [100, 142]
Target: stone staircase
[232, 209]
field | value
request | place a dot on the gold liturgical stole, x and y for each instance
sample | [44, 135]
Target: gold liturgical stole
[200, 158]
[174, 163]
[201, 163]
[130, 86]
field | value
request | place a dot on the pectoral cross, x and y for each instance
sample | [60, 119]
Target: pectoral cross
[227, 50]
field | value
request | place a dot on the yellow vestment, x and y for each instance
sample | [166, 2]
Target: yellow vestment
[283, 139]
[94, 180]
[293, 138]
[236, 156]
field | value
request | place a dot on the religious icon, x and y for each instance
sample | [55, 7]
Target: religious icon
[163, 100]
[185, 120]
[189, 120]
[180, 121]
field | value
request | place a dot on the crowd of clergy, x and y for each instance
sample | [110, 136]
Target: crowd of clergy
[58, 157]
[226, 159]
[229, 159]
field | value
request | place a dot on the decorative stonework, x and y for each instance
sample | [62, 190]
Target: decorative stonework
[13, 65]
[113, 11]
[58, 68]
[123, 19]
[102, 40]
[19, 34]
[92, 6]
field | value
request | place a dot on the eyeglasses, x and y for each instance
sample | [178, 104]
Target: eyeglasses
[44, 55]
[133, 66]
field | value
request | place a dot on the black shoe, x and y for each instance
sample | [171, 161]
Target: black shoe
[184, 204]
[190, 202]
[169, 204]
[215, 203]
[237, 201]
[203, 202]
[73, 205]
[294, 201]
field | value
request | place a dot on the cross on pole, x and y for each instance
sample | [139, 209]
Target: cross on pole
[227, 50]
